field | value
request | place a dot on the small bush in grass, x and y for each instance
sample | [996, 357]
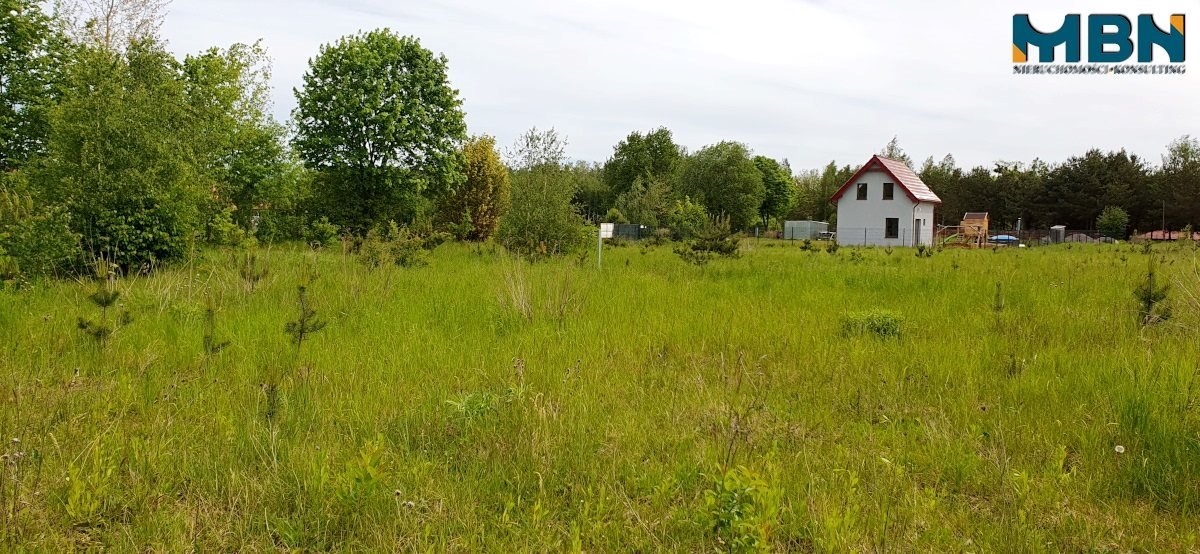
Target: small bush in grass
[397, 245]
[661, 237]
[807, 246]
[321, 233]
[715, 239]
[742, 509]
[882, 323]
[832, 247]
[222, 231]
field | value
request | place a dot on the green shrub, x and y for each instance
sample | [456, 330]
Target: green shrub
[321, 233]
[139, 235]
[1113, 222]
[742, 508]
[716, 237]
[615, 216]
[274, 227]
[397, 245]
[618, 242]
[222, 231]
[881, 323]
[686, 219]
[542, 220]
[38, 241]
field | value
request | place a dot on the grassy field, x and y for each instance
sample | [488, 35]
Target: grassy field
[482, 404]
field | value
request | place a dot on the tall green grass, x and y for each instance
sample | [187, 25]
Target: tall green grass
[483, 403]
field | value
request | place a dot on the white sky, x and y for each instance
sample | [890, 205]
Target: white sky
[807, 80]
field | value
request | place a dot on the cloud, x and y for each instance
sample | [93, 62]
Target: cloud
[809, 80]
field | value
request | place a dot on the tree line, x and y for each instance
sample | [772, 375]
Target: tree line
[113, 148]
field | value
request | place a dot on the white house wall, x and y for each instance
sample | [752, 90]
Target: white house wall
[862, 222]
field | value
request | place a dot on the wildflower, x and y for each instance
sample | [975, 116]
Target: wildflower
[1120, 449]
[397, 493]
[410, 504]
[16, 440]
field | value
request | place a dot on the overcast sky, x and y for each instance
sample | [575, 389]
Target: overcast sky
[810, 81]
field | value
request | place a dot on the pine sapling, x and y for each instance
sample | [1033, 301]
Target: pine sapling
[105, 297]
[212, 346]
[306, 324]
[1151, 295]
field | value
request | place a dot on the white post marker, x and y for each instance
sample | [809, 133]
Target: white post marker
[606, 232]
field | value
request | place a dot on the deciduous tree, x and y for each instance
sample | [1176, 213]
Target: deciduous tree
[486, 194]
[378, 119]
[543, 220]
[113, 25]
[725, 180]
[653, 155]
[778, 189]
[32, 53]
[122, 159]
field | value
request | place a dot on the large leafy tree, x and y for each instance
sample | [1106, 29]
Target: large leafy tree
[647, 203]
[778, 189]
[122, 156]
[815, 189]
[378, 119]
[32, 52]
[725, 180]
[592, 195]
[241, 145]
[477, 206]
[653, 155]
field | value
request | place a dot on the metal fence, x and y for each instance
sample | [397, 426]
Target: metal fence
[1027, 237]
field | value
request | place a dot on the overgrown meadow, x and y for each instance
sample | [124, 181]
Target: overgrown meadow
[789, 400]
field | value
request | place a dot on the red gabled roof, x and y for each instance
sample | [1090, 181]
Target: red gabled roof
[912, 185]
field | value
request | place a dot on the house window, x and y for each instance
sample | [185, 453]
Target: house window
[889, 191]
[891, 228]
[862, 191]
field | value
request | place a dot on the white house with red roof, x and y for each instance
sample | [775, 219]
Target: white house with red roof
[885, 204]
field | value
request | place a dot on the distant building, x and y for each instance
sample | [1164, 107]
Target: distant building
[885, 204]
[804, 230]
[1168, 235]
